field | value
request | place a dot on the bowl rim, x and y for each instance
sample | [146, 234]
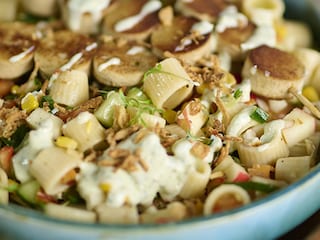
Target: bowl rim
[36, 215]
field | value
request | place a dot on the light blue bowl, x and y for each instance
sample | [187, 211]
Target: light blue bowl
[267, 218]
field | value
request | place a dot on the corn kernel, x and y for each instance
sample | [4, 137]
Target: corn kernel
[66, 142]
[310, 93]
[106, 187]
[281, 31]
[29, 103]
[88, 127]
[15, 89]
[170, 115]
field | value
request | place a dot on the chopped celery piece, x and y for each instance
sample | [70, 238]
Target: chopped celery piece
[28, 191]
[105, 111]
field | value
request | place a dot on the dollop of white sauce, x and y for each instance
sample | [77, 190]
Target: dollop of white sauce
[127, 23]
[38, 139]
[165, 175]
[264, 34]
[203, 27]
[230, 18]
[20, 56]
[135, 50]
[110, 62]
[77, 8]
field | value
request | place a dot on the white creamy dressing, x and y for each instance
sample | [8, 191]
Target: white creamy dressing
[165, 174]
[135, 50]
[203, 27]
[110, 62]
[230, 18]
[38, 139]
[265, 34]
[20, 56]
[77, 8]
[225, 60]
[130, 22]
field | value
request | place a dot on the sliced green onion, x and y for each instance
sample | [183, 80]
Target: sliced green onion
[259, 115]
[257, 186]
[157, 68]
[238, 93]
[47, 99]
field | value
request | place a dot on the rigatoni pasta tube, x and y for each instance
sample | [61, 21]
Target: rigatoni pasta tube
[192, 117]
[175, 211]
[196, 181]
[70, 88]
[168, 85]
[117, 215]
[69, 213]
[225, 197]
[51, 165]
[85, 129]
[39, 115]
[266, 149]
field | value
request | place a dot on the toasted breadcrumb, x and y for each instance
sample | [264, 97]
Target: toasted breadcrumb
[10, 120]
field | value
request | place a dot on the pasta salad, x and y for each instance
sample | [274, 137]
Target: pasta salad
[156, 111]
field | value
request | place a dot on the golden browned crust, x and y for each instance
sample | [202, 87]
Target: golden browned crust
[277, 63]
[132, 67]
[16, 38]
[123, 9]
[171, 38]
[56, 50]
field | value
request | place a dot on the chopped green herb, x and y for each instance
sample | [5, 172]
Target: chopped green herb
[257, 186]
[37, 83]
[47, 99]
[72, 196]
[155, 69]
[16, 138]
[29, 18]
[238, 93]
[259, 115]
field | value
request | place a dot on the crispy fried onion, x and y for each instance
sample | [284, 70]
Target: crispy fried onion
[125, 159]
